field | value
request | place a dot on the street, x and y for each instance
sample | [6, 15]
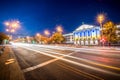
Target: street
[50, 62]
[59, 40]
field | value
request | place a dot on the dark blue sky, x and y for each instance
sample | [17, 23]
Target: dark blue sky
[38, 15]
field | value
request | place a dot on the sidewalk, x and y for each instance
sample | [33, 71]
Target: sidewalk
[9, 68]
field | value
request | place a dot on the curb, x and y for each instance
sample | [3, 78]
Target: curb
[20, 75]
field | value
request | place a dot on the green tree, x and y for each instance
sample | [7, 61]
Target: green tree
[3, 36]
[57, 37]
[42, 39]
[109, 32]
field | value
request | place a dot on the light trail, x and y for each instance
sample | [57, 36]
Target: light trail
[90, 51]
[82, 59]
[73, 48]
[66, 48]
[73, 62]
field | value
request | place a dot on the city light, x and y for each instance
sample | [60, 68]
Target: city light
[46, 32]
[37, 34]
[13, 30]
[59, 29]
[15, 25]
[100, 18]
[7, 30]
[7, 23]
[12, 25]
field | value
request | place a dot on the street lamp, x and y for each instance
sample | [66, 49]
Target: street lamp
[12, 30]
[12, 25]
[46, 32]
[7, 23]
[59, 29]
[7, 30]
[100, 19]
[38, 36]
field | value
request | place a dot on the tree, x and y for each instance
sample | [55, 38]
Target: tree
[57, 37]
[37, 38]
[3, 36]
[109, 32]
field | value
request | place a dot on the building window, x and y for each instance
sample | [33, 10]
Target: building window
[84, 34]
[88, 33]
[80, 34]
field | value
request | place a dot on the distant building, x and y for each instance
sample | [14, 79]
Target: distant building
[118, 32]
[69, 38]
[87, 35]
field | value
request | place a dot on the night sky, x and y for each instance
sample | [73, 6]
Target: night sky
[38, 15]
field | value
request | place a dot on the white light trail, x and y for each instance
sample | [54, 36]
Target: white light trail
[81, 59]
[73, 62]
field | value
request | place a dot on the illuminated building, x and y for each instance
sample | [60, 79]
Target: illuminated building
[118, 33]
[87, 35]
[69, 38]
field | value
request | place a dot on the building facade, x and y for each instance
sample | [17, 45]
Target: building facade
[68, 38]
[118, 33]
[87, 35]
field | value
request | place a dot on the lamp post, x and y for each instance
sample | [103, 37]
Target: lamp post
[100, 19]
[12, 25]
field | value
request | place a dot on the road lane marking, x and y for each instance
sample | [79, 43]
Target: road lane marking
[88, 75]
[6, 63]
[43, 64]
[73, 62]
[106, 66]
[39, 65]
[9, 61]
[85, 60]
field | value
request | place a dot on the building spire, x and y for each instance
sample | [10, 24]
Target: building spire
[82, 23]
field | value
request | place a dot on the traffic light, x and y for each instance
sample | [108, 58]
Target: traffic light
[102, 40]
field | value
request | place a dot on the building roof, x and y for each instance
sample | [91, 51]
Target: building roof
[84, 26]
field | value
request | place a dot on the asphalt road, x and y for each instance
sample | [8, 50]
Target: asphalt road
[49, 62]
